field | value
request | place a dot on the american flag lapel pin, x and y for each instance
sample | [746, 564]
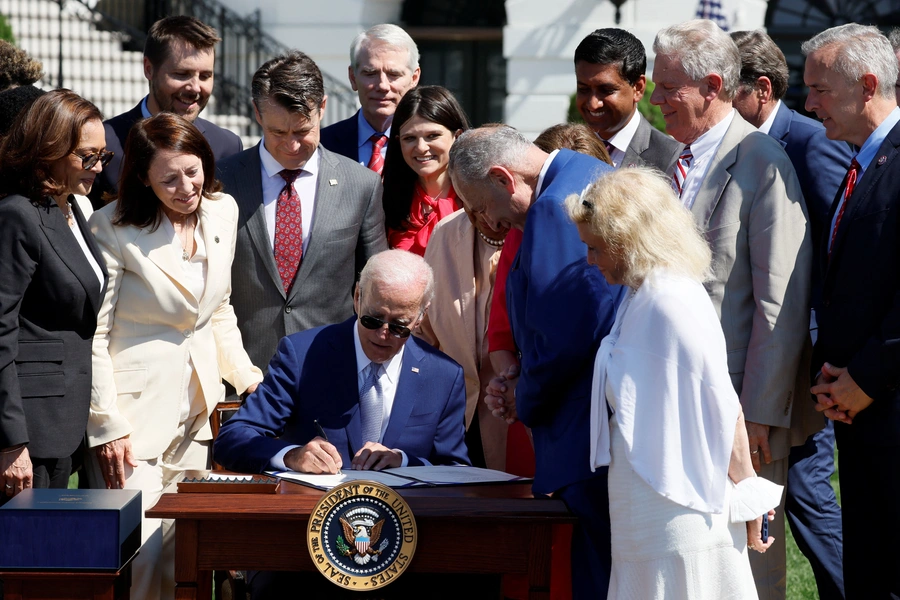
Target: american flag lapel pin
[415, 369]
[882, 159]
[332, 182]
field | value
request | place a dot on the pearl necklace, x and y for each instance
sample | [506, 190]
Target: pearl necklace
[489, 241]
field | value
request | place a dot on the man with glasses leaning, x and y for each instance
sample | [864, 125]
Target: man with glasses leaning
[362, 394]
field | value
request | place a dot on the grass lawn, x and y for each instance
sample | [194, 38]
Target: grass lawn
[801, 585]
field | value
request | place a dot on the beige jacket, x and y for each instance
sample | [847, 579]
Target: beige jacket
[450, 324]
[150, 325]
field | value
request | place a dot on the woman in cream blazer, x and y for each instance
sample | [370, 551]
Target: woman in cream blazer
[166, 333]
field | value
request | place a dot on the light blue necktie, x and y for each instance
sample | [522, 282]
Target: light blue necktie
[371, 405]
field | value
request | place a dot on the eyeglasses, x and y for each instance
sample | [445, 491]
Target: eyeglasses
[92, 158]
[399, 331]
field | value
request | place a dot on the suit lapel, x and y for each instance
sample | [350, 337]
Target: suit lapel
[327, 207]
[248, 195]
[465, 242]
[412, 385]
[67, 248]
[344, 385]
[877, 168]
[213, 230]
[96, 297]
[157, 246]
[640, 141]
[719, 174]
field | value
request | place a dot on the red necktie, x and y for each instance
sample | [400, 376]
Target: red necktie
[376, 163]
[681, 168]
[852, 175]
[288, 230]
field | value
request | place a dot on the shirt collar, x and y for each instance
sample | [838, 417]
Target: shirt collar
[145, 110]
[366, 131]
[272, 167]
[622, 138]
[540, 182]
[710, 140]
[877, 137]
[391, 367]
[766, 127]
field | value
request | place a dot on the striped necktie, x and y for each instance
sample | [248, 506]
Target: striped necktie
[681, 170]
[852, 175]
[376, 162]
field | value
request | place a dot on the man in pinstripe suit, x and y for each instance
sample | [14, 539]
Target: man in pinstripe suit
[329, 205]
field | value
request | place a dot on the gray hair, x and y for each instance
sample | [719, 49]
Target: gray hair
[761, 57]
[477, 150]
[702, 48]
[894, 38]
[861, 49]
[387, 34]
[399, 269]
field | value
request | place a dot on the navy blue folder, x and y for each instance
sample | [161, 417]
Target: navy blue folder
[70, 529]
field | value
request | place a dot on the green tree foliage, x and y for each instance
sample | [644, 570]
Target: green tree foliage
[6, 32]
[650, 112]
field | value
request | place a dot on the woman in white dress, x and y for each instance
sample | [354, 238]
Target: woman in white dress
[684, 501]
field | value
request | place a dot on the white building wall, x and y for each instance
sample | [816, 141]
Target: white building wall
[539, 39]
[323, 29]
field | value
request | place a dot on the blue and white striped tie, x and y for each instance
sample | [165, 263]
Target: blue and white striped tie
[371, 404]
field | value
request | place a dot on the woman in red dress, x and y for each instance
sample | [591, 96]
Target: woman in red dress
[417, 189]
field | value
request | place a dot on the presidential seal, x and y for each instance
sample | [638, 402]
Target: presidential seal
[361, 535]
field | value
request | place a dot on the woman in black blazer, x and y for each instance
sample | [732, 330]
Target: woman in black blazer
[52, 279]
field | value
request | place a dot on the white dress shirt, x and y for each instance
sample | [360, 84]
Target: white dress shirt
[704, 150]
[389, 378]
[766, 127]
[622, 139]
[540, 182]
[273, 183]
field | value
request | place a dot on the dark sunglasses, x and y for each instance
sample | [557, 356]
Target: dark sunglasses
[92, 158]
[369, 322]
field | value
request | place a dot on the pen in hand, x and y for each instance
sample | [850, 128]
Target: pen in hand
[319, 429]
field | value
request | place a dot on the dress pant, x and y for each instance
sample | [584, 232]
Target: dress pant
[153, 571]
[591, 554]
[870, 503]
[813, 511]
[770, 569]
[51, 472]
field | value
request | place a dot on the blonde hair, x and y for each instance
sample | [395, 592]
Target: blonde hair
[636, 213]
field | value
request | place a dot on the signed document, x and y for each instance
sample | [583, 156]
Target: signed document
[405, 477]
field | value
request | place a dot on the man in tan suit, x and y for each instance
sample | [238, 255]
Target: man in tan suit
[744, 194]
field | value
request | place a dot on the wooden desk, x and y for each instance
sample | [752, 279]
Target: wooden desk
[76, 585]
[498, 529]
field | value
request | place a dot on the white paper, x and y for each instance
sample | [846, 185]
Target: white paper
[454, 475]
[326, 482]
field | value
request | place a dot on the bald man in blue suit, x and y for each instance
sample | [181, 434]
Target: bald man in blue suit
[559, 308]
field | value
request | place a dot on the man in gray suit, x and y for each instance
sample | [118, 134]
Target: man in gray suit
[744, 194]
[309, 218]
[609, 71]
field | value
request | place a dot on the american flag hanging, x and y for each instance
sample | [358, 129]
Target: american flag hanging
[713, 10]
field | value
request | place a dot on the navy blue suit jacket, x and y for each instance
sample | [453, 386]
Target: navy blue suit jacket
[343, 137]
[223, 142]
[313, 376]
[859, 318]
[560, 307]
[820, 164]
